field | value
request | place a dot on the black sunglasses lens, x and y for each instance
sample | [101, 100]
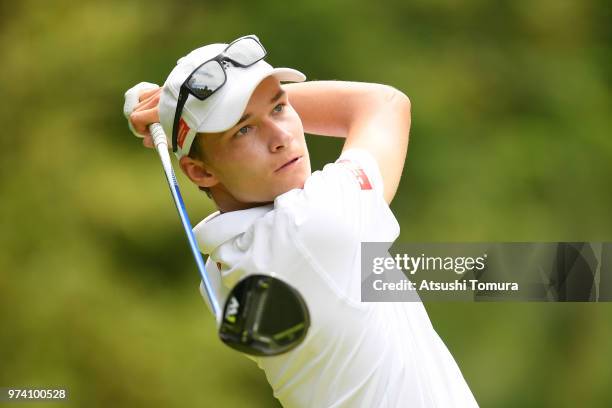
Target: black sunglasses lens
[246, 52]
[206, 80]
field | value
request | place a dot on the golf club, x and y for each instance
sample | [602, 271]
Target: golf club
[263, 315]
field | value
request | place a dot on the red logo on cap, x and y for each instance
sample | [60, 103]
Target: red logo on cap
[359, 174]
[182, 132]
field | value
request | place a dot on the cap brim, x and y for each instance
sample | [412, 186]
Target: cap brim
[234, 99]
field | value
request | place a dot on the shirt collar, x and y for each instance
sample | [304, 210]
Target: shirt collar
[218, 227]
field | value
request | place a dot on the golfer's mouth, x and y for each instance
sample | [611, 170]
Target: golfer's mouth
[289, 164]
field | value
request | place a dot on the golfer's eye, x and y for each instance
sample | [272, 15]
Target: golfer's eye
[279, 108]
[244, 130]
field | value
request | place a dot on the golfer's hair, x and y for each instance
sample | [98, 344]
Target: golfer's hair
[196, 153]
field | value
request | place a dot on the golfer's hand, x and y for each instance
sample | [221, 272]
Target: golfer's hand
[141, 109]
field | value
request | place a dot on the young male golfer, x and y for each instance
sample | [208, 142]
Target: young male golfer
[239, 135]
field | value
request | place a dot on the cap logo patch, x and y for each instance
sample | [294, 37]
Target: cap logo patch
[359, 174]
[182, 132]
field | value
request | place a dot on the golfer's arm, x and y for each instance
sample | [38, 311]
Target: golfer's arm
[370, 116]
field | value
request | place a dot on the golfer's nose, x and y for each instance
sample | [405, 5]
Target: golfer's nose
[279, 136]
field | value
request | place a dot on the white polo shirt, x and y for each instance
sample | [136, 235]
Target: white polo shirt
[355, 354]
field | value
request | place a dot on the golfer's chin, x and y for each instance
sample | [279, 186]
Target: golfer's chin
[279, 185]
[292, 178]
[292, 181]
[286, 187]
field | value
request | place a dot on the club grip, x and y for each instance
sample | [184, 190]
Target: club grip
[158, 135]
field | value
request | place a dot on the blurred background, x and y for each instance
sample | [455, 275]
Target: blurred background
[510, 141]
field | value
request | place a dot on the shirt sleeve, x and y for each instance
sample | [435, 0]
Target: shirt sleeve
[364, 167]
[348, 196]
[339, 208]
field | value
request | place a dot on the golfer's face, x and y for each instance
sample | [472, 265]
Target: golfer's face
[264, 155]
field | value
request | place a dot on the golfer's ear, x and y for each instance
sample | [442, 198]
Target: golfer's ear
[197, 172]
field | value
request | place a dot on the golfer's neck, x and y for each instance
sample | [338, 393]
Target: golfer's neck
[226, 202]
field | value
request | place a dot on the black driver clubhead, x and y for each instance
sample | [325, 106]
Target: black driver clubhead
[264, 316]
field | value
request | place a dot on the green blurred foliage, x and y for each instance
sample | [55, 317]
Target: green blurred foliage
[98, 291]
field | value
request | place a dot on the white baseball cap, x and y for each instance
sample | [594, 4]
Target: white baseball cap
[223, 108]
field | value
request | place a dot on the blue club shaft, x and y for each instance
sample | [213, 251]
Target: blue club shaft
[159, 138]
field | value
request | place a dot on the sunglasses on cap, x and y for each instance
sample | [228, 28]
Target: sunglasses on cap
[210, 76]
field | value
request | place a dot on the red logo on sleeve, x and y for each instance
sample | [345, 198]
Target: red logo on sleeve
[182, 133]
[359, 174]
